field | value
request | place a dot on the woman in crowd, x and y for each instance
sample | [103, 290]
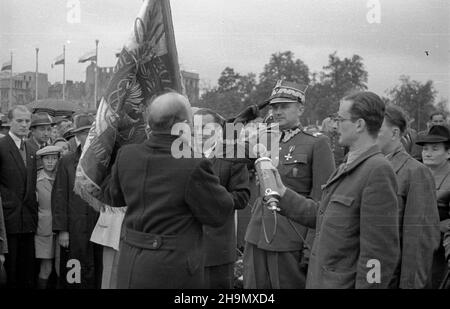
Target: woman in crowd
[44, 238]
[435, 155]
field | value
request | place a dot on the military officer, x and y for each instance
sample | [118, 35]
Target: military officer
[274, 250]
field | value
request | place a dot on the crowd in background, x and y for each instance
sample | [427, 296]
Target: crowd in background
[44, 225]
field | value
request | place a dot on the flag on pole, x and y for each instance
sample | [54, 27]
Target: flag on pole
[7, 66]
[58, 60]
[147, 65]
[89, 56]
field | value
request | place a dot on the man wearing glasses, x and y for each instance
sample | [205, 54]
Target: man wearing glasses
[357, 229]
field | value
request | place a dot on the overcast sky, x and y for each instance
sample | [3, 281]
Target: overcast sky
[213, 34]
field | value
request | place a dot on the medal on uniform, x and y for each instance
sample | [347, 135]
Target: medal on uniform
[289, 155]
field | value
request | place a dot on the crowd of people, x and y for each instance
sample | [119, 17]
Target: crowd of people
[364, 203]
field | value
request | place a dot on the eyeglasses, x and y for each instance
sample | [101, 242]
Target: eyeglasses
[340, 119]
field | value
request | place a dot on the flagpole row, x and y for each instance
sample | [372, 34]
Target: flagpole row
[64, 73]
[95, 73]
[10, 103]
[37, 73]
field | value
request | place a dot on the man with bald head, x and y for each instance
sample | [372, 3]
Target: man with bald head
[168, 199]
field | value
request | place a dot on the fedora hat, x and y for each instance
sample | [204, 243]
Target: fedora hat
[82, 122]
[41, 119]
[437, 134]
[288, 92]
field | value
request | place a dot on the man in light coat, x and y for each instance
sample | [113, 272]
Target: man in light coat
[357, 241]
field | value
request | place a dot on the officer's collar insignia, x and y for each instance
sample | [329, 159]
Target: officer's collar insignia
[289, 134]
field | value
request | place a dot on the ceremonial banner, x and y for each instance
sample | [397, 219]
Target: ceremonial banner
[90, 56]
[147, 65]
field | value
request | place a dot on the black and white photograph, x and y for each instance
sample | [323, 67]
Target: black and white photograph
[230, 148]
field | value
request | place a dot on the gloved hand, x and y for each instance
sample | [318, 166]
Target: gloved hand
[248, 114]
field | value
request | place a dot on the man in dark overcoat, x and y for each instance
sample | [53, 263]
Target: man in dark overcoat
[170, 196]
[357, 243]
[276, 253]
[74, 220]
[18, 192]
[418, 211]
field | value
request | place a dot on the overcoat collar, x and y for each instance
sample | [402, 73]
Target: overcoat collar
[398, 158]
[346, 169]
[161, 141]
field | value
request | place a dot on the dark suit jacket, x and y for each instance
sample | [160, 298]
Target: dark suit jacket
[419, 220]
[18, 187]
[35, 146]
[220, 243]
[356, 223]
[70, 213]
[168, 201]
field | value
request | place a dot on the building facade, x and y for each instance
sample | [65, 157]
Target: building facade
[191, 84]
[21, 91]
[23, 88]
[43, 84]
[103, 76]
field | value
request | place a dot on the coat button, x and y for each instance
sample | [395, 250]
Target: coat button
[155, 243]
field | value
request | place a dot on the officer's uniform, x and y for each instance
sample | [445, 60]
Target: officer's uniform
[274, 255]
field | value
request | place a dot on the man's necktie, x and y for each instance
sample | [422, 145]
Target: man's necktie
[23, 152]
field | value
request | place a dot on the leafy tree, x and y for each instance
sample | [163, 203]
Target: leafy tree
[232, 93]
[280, 66]
[338, 78]
[228, 80]
[442, 106]
[344, 75]
[415, 98]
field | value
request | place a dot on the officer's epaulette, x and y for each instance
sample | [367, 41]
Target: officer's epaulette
[316, 134]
